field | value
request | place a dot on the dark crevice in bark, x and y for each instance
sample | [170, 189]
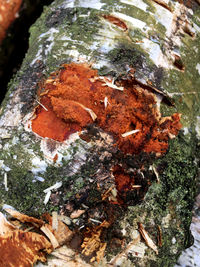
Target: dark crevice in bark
[178, 63]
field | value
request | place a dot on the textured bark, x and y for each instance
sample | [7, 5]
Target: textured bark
[153, 46]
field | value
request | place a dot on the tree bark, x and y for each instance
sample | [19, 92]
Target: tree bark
[134, 198]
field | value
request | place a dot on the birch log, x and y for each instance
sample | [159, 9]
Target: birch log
[102, 124]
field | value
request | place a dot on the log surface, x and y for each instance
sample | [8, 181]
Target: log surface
[152, 46]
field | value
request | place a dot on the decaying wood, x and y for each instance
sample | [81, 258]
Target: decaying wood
[101, 126]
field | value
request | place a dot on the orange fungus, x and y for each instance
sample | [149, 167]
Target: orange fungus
[76, 97]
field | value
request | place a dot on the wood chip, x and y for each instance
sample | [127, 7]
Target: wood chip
[147, 239]
[156, 173]
[77, 213]
[130, 133]
[47, 197]
[136, 186]
[90, 111]
[45, 229]
[42, 105]
[63, 234]
[106, 102]
[92, 114]
[6, 181]
[53, 187]
[55, 220]
[110, 83]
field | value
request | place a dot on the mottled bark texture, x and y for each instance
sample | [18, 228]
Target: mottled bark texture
[126, 176]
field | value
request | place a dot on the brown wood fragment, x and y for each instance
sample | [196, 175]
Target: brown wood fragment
[24, 218]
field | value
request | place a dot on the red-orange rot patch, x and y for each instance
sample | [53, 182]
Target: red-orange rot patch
[126, 183]
[77, 96]
[47, 124]
[116, 21]
[123, 180]
[55, 158]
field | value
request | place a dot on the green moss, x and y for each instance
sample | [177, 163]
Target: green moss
[125, 55]
[185, 84]
[171, 198]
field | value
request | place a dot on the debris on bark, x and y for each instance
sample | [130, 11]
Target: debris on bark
[77, 89]
[101, 127]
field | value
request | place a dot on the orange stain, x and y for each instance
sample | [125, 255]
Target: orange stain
[77, 93]
[123, 180]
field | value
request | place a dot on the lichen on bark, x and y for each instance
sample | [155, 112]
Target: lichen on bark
[124, 44]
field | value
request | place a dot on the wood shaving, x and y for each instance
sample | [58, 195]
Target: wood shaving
[147, 239]
[53, 187]
[90, 111]
[130, 133]
[6, 181]
[47, 197]
[42, 105]
[45, 229]
[55, 220]
[77, 213]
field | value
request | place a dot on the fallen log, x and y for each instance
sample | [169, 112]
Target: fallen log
[101, 124]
